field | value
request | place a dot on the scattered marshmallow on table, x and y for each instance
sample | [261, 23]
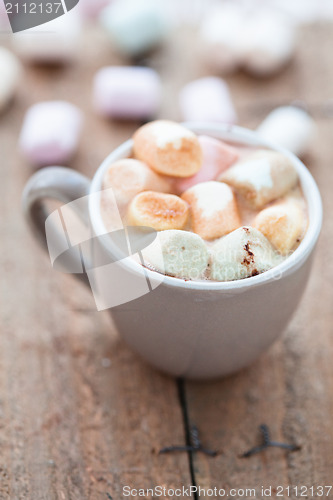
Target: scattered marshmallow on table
[4, 20]
[135, 26]
[207, 99]
[219, 37]
[243, 253]
[217, 157]
[267, 42]
[290, 127]
[90, 9]
[128, 92]
[261, 177]
[55, 42]
[10, 73]
[178, 253]
[168, 148]
[158, 210]
[129, 177]
[214, 211]
[50, 132]
[283, 225]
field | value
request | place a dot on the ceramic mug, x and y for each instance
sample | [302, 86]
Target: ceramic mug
[191, 329]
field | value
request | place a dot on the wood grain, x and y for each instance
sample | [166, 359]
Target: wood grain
[80, 415]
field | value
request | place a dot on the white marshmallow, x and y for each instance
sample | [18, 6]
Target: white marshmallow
[50, 132]
[207, 99]
[267, 42]
[178, 253]
[219, 37]
[128, 92]
[10, 72]
[243, 253]
[303, 11]
[289, 127]
[55, 42]
[135, 26]
[262, 177]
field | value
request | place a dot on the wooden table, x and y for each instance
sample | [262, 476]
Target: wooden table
[80, 415]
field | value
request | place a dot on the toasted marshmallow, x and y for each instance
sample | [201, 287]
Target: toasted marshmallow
[129, 177]
[290, 127]
[241, 254]
[262, 177]
[178, 253]
[282, 224]
[168, 148]
[214, 211]
[10, 71]
[159, 211]
[217, 157]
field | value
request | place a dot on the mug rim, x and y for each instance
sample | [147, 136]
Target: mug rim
[242, 136]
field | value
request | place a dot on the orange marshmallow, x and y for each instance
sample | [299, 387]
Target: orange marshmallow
[129, 177]
[168, 148]
[282, 224]
[159, 211]
[214, 211]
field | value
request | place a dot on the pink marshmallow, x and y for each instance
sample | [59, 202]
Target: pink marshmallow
[50, 132]
[90, 9]
[128, 92]
[207, 100]
[4, 20]
[217, 157]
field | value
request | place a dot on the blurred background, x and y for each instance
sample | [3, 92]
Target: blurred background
[214, 60]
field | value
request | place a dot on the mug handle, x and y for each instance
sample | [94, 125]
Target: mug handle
[57, 183]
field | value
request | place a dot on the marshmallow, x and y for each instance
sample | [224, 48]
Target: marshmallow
[219, 36]
[267, 42]
[207, 99]
[241, 254]
[4, 20]
[135, 26]
[54, 42]
[90, 9]
[282, 224]
[127, 92]
[217, 157]
[129, 177]
[159, 211]
[262, 177]
[303, 11]
[168, 148]
[214, 210]
[10, 72]
[178, 253]
[289, 127]
[50, 132]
